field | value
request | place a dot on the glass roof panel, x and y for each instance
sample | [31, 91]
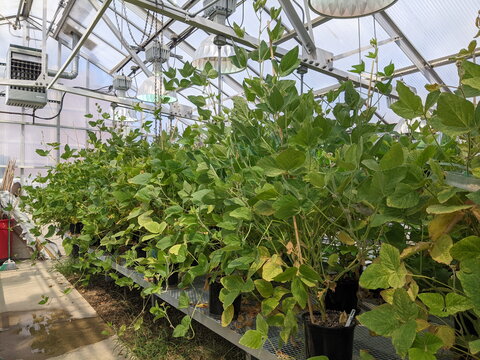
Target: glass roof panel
[437, 28]
[8, 8]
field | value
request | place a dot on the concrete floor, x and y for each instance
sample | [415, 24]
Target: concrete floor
[65, 328]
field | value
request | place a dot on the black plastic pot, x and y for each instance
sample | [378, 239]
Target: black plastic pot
[215, 306]
[173, 279]
[76, 228]
[335, 343]
[344, 298]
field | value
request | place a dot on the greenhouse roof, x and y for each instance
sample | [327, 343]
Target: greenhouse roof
[419, 37]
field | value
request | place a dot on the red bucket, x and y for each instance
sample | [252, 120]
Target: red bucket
[4, 238]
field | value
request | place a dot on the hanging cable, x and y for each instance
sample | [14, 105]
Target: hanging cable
[34, 110]
[359, 51]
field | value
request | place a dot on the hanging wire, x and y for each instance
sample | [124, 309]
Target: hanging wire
[376, 58]
[359, 52]
[155, 65]
[144, 32]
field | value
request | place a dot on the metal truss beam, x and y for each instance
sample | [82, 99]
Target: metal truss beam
[91, 94]
[365, 48]
[247, 40]
[292, 33]
[190, 50]
[445, 60]
[79, 45]
[37, 26]
[409, 49]
[120, 38]
[307, 41]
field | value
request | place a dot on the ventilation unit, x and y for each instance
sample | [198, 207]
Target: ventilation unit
[25, 63]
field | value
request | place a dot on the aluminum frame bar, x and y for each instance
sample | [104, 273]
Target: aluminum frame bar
[409, 49]
[84, 37]
[189, 50]
[247, 40]
[120, 38]
[292, 33]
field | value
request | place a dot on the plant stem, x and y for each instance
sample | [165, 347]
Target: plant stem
[300, 259]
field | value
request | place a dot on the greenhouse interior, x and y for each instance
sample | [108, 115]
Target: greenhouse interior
[239, 179]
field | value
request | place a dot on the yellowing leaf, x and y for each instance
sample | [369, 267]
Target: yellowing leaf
[227, 315]
[412, 250]
[442, 224]
[422, 324]
[345, 238]
[272, 268]
[446, 334]
[440, 251]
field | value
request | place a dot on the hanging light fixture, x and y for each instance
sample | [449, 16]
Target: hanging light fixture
[349, 8]
[152, 90]
[123, 114]
[207, 52]
[121, 84]
[214, 49]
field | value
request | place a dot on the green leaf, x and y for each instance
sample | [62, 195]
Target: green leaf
[261, 325]
[286, 275]
[455, 303]
[290, 159]
[228, 297]
[405, 308]
[404, 197]
[435, 303]
[243, 213]
[447, 209]
[183, 301]
[289, 62]
[388, 272]
[299, 292]
[403, 337]
[364, 355]
[474, 346]
[199, 100]
[470, 281]
[472, 82]
[265, 288]
[252, 339]
[427, 342]
[393, 158]
[456, 114]
[316, 179]
[276, 100]
[140, 179]
[42, 152]
[309, 276]
[182, 328]
[465, 249]
[44, 300]
[318, 358]
[232, 282]
[420, 354]
[286, 207]
[155, 227]
[409, 105]
[381, 320]
[374, 277]
[270, 166]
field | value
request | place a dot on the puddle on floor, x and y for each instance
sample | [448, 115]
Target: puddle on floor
[39, 335]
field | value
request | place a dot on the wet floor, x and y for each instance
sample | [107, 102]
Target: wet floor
[39, 335]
